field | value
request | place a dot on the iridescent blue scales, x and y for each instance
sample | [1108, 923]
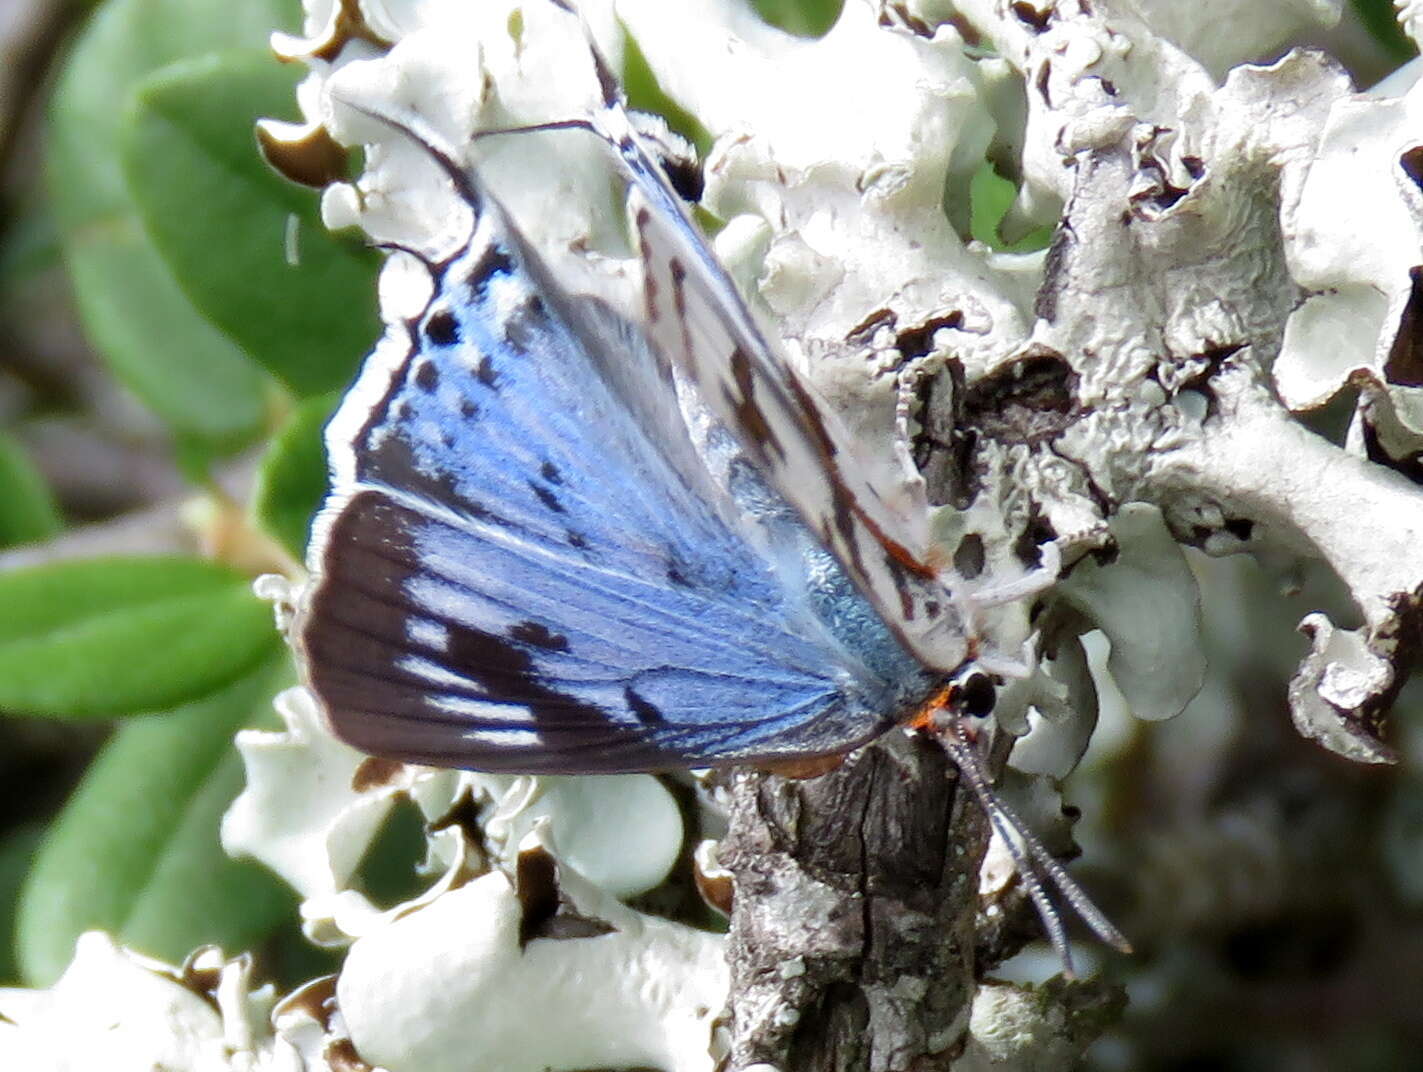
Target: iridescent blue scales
[533, 561]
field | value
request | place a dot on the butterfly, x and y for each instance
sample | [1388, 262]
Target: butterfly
[561, 540]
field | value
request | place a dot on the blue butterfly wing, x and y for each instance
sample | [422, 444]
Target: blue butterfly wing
[523, 567]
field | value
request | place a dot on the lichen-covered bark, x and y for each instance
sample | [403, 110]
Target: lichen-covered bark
[852, 935]
[1168, 296]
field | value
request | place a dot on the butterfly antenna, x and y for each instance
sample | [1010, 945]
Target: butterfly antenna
[614, 125]
[608, 83]
[1029, 855]
[444, 156]
[967, 761]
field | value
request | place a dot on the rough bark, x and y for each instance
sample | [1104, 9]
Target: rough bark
[852, 933]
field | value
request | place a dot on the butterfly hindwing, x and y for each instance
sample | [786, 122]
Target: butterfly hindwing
[515, 573]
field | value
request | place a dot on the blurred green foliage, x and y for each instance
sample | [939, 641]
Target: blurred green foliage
[27, 510]
[198, 186]
[1380, 19]
[107, 637]
[291, 480]
[192, 375]
[136, 850]
[177, 240]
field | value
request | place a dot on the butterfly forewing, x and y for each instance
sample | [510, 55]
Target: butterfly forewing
[523, 567]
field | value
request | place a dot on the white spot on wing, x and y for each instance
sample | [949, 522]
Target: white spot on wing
[482, 710]
[504, 738]
[427, 634]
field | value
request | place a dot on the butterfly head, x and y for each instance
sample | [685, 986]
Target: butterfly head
[972, 693]
[966, 699]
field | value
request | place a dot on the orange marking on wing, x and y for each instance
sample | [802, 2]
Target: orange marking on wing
[905, 558]
[897, 550]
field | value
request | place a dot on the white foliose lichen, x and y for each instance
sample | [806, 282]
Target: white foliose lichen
[117, 1010]
[597, 985]
[313, 807]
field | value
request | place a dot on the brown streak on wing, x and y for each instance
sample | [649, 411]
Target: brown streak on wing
[679, 302]
[896, 551]
[748, 411]
[649, 284]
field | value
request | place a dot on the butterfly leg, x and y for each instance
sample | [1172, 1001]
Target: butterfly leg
[1036, 581]
[973, 601]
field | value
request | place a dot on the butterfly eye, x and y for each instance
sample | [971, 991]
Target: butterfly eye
[975, 694]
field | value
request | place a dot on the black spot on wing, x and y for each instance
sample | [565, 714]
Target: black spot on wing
[539, 635]
[468, 410]
[547, 497]
[507, 674]
[576, 540]
[493, 260]
[679, 295]
[393, 463]
[482, 513]
[527, 328]
[650, 288]
[442, 328]
[644, 711]
[844, 506]
[427, 376]
[550, 472]
[485, 373]
[901, 586]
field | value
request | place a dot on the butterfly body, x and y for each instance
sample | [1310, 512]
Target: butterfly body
[545, 553]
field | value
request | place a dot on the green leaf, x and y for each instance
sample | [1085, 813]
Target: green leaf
[1379, 19]
[292, 479]
[17, 850]
[113, 636]
[990, 196]
[135, 851]
[646, 94]
[220, 217]
[27, 511]
[182, 367]
[806, 18]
